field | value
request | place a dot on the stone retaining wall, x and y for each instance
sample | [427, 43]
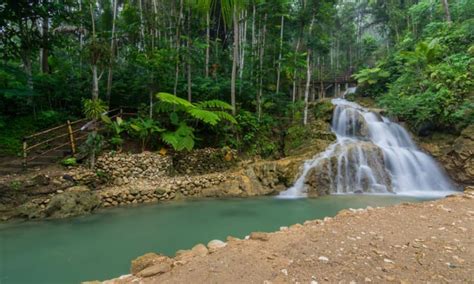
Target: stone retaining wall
[204, 161]
[145, 191]
[123, 168]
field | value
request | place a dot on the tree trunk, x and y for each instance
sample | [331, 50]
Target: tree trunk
[95, 78]
[294, 71]
[260, 83]
[446, 11]
[44, 48]
[150, 97]
[112, 52]
[252, 52]
[308, 76]
[280, 54]
[188, 63]
[234, 59]
[95, 83]
[178, 45]
[243, 33]
[306, 90]
[322, 90]
[142, 26]
[208, 42]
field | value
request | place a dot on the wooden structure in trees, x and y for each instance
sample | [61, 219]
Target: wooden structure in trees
[62, 140]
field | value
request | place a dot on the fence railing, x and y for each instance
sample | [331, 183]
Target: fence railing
[65, 136]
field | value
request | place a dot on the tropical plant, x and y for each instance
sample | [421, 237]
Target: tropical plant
[181, 112]
[116, 127]
[69, 162]
[94, 108]
[92, 147]
[371, 76]
[143, 128]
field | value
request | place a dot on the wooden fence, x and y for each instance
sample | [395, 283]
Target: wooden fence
[65, 138]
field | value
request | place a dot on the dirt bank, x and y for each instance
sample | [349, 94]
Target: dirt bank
[407, 243]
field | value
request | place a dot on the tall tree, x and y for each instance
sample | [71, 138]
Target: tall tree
[446, 11]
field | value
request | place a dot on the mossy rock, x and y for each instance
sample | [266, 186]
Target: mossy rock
[323, 110]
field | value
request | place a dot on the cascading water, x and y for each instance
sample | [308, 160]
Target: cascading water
[371, 155]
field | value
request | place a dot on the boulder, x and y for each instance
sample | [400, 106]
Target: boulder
[215, 245]
[259, 236]
[320, 180]
[148, 260]
[76, 201]
[30, 210]
[42, 180]
[200, 250]
[156, 269]
[354, 123]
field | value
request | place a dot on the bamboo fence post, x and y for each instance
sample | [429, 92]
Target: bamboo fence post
[25, 153]
[71, 138]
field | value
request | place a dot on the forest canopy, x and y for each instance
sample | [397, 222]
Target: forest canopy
[266, 60]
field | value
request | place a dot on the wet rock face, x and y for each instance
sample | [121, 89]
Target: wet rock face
[356, 166]
[74, 202]
[78, 200]
[350, 122]
[457, 156]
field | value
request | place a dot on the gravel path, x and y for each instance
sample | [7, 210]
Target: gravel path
[407, 243]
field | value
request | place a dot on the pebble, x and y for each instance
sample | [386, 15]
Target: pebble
[323, 258]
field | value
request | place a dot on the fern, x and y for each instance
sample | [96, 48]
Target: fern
[181, 139]
[174, 100]
[206, 116]
[225, 116]
[210, 112]
[214, 104]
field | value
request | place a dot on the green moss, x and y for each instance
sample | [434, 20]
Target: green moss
[323, 110]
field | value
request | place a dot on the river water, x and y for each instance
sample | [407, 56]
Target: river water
[101, 246]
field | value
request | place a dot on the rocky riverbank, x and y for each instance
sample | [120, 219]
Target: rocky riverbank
[124, 179]
[407, 243]
[455, 154]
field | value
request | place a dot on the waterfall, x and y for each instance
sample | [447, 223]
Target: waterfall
[371, 155]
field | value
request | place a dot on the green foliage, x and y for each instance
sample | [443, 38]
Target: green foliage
[323, 110]
[180, 139]
[93, 145]
[94, 109]
[371, 76]
[116, 128]
[15, 185]
[181, 113]
[431, 79]
[296, 136]
[254, 136]
[144, 128]
[69, 162]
